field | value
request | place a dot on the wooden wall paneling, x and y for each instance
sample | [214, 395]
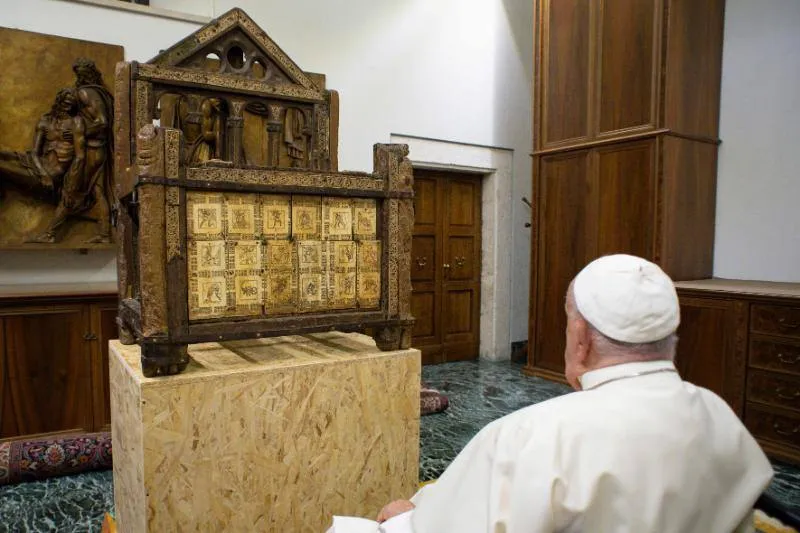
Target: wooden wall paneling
[103, 329]
[566, 240]
[693, 66]
[48, 383]
[646, 189]
[533, 289]
[687, 210]
[627, 191]
[712, 347]
[566, 72]
[628, 55]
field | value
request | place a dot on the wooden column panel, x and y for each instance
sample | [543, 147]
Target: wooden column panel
[627, 187]
[628, 47]
[565, 75]
[565, 236]
[46, 381]
[687, 210]
[694, 67]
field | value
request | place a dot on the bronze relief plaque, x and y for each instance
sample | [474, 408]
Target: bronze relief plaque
[56, 146]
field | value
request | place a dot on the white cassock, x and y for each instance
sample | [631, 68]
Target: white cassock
[638, 450]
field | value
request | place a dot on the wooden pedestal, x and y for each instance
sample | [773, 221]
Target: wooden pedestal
[264, 435]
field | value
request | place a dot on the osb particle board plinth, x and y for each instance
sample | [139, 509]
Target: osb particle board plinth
[273, 434]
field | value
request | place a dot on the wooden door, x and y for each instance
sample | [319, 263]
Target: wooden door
[45, 374]
[446, 265]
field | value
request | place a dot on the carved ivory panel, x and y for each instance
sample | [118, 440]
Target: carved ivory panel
[264, 254]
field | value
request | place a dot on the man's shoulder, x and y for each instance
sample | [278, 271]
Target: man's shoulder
[542, 413]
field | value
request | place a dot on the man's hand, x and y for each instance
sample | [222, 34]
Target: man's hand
[393, 509]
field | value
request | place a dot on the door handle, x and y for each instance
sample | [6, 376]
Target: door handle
[445, 266]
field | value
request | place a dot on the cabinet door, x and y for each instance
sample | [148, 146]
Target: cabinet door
[104, 328]
[626, 176]
[564, 63]
[45, 378]
[712, 344]
[566, 241]
[628, 49]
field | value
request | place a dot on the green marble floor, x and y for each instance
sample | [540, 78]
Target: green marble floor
[479, 392]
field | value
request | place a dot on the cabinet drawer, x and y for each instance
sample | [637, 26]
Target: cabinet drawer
[774, 389]
[775, 356]
[776, 320]
[776, 425]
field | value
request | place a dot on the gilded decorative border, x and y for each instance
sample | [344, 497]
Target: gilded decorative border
[322, 118]
[222, 81]
[172, 150]
[405, 230]
[173, 223]
[144, 92]
[215, 28]
[331, 180]
[394, 250]
[276, 54]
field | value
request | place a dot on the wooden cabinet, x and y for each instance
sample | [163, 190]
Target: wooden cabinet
[626, 106]
[712, 345]
[741, 339]
[54, 359]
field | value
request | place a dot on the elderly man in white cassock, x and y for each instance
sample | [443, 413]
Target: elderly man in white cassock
[636, 449]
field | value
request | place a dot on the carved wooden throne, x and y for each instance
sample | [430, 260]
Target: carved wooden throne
[234, 221]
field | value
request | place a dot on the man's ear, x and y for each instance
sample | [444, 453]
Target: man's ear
[584, 337]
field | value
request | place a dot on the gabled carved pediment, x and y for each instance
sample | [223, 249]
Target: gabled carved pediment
[237, 97]
[234, 45]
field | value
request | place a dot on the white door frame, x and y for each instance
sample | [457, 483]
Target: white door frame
[496, 166]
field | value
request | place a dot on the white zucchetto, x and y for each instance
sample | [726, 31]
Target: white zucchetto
[627, 298]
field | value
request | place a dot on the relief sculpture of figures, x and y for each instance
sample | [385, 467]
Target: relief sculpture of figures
[207, 144]
[69, 164]
[296, 134]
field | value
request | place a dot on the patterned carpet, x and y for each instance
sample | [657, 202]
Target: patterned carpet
[478, 392]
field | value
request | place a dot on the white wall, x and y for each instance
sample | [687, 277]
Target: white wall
[758, 182]
[456, 70]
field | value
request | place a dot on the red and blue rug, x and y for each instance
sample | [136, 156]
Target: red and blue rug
[31, 460]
